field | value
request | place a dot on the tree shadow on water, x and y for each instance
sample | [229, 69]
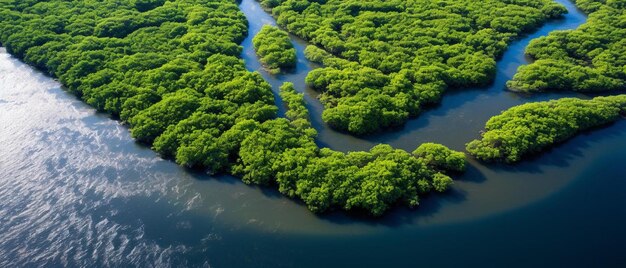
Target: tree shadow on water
[563, 155]
[399, 215]
[566, 153]
[472, 174]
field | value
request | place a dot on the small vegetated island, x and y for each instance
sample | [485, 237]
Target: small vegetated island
[588, 59]
[171, 70]
[275, 50]
[532, 127]
[385, 60]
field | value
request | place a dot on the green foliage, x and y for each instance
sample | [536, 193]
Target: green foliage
[275, 49]
[170, 69]
[370, 181]
[532, 127]
[285, 153]
[442, 157]
[316, 54]
[145, 5]
[296, 109]
[590, 6]
[385, 60]
[590, 58]
[148, 124]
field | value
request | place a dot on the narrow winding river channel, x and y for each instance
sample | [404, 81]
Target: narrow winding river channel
[76, 190]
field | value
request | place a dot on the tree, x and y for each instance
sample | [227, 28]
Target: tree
[275, 49]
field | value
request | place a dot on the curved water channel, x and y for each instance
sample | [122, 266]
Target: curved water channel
[76, 190]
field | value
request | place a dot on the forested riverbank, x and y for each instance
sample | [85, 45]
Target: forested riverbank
[591, 58]
[588, 59]
[170, 70]
[389, 59]
[77, 190]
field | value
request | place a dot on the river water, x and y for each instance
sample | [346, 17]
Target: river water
[76, 190]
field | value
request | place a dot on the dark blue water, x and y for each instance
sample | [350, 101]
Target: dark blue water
[75, 190]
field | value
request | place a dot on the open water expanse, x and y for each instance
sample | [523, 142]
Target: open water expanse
[76, 190]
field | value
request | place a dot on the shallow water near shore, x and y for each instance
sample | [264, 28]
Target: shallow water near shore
[76, 190]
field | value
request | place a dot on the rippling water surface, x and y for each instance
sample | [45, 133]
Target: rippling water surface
[75, 190]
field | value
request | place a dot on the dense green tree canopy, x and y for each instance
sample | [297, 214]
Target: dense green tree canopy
[275, 49]
[531, 127]
[171, 70]
[590, 58]
[385, 60]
